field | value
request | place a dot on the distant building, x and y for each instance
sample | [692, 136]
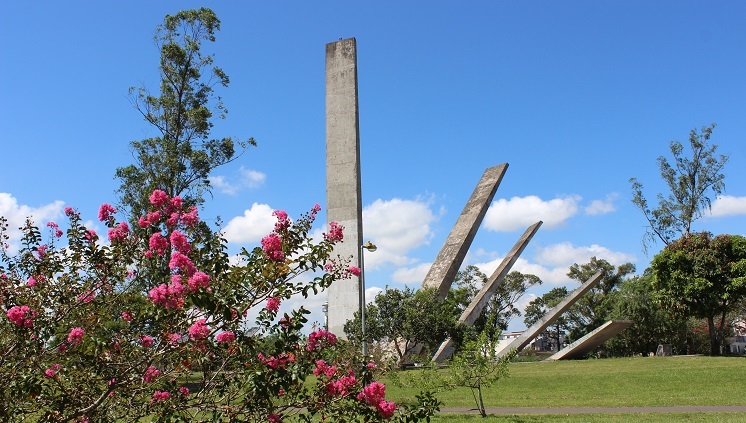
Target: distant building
[737, 344]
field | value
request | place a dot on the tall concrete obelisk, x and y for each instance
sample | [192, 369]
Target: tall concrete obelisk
[343, 194]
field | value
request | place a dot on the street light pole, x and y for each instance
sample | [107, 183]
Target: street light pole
[371, 248]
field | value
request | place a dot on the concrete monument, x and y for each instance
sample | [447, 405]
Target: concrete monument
[589, 342]
[480, 301]
[343, 193]
[553, 314]
[451, 256]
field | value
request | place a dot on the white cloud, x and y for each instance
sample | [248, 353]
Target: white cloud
[522, 212]
[396, 227]
[548, 275]
[247, 179]
[604, 206]
[17, 214]
[222, 185]
[252, 178]
[413, 275]
[567, 254]
[370, 294]
[552, 263]
[255, 223]
[727, 205]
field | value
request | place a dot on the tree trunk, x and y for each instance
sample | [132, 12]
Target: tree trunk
[482, 410]
[714, 338]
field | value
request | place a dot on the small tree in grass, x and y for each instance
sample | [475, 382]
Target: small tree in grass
[476, 367]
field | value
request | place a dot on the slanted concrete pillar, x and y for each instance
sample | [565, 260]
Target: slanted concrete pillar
[590, 341]
[480, 301]
[444, 268]
[343, 193]
[553, 314]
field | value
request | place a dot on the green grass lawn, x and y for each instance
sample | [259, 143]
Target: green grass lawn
[597, 418]
[618, 382]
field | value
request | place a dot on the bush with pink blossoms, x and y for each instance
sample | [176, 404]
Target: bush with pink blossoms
[163, 303]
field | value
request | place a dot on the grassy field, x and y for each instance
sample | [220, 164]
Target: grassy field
[598, 418]
[619, 382]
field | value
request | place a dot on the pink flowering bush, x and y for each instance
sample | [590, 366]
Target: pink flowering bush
[149, 326]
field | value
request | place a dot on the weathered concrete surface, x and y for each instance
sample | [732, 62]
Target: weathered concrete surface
[480, 301]
[451, 255]
[530, 333]
[589, 342]
[343, 192]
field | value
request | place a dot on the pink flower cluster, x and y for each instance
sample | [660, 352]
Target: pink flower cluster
[273, 362]
[342, 387]
[119, 232]
[87, 296]
[151, 373]
[224, 337]
[182, 263]
[354, 270]
[335, 232]
[274, 418]
[52, 371]
[56, 228]
[273, 304]
[199, 329]
[179, 241]
[158, 244]
[75, 336]
[283, 222]
[198, 280]
[159, 396]
[158, 198]
[146, 341]
[106, 212]
[41, 251]
[374, 395]
[324, 369]
[272, 247]
[169, 296]
[319, 338]
[21, 316]
[172, 209]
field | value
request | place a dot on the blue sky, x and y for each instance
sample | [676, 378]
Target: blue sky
[577, 97]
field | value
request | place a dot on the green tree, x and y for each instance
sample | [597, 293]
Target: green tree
[500, 309]
[476, 367]
[689, 180]
[594, 308]
[180, 159]
[405, 319]
[652, 323]
[704, 277]
[539, 307]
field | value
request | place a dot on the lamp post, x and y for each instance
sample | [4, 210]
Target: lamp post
[371, 248]
[325, 310]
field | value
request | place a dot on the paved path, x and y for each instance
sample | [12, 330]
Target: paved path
[586, 410]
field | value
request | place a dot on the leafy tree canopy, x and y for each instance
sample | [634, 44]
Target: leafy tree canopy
[703, 276]
[180, 159]
[689, 181]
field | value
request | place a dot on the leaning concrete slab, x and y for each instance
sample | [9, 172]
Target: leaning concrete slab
[589, 342]
[443, 270]
[480, 301]
[530, 333]
[343, 192]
